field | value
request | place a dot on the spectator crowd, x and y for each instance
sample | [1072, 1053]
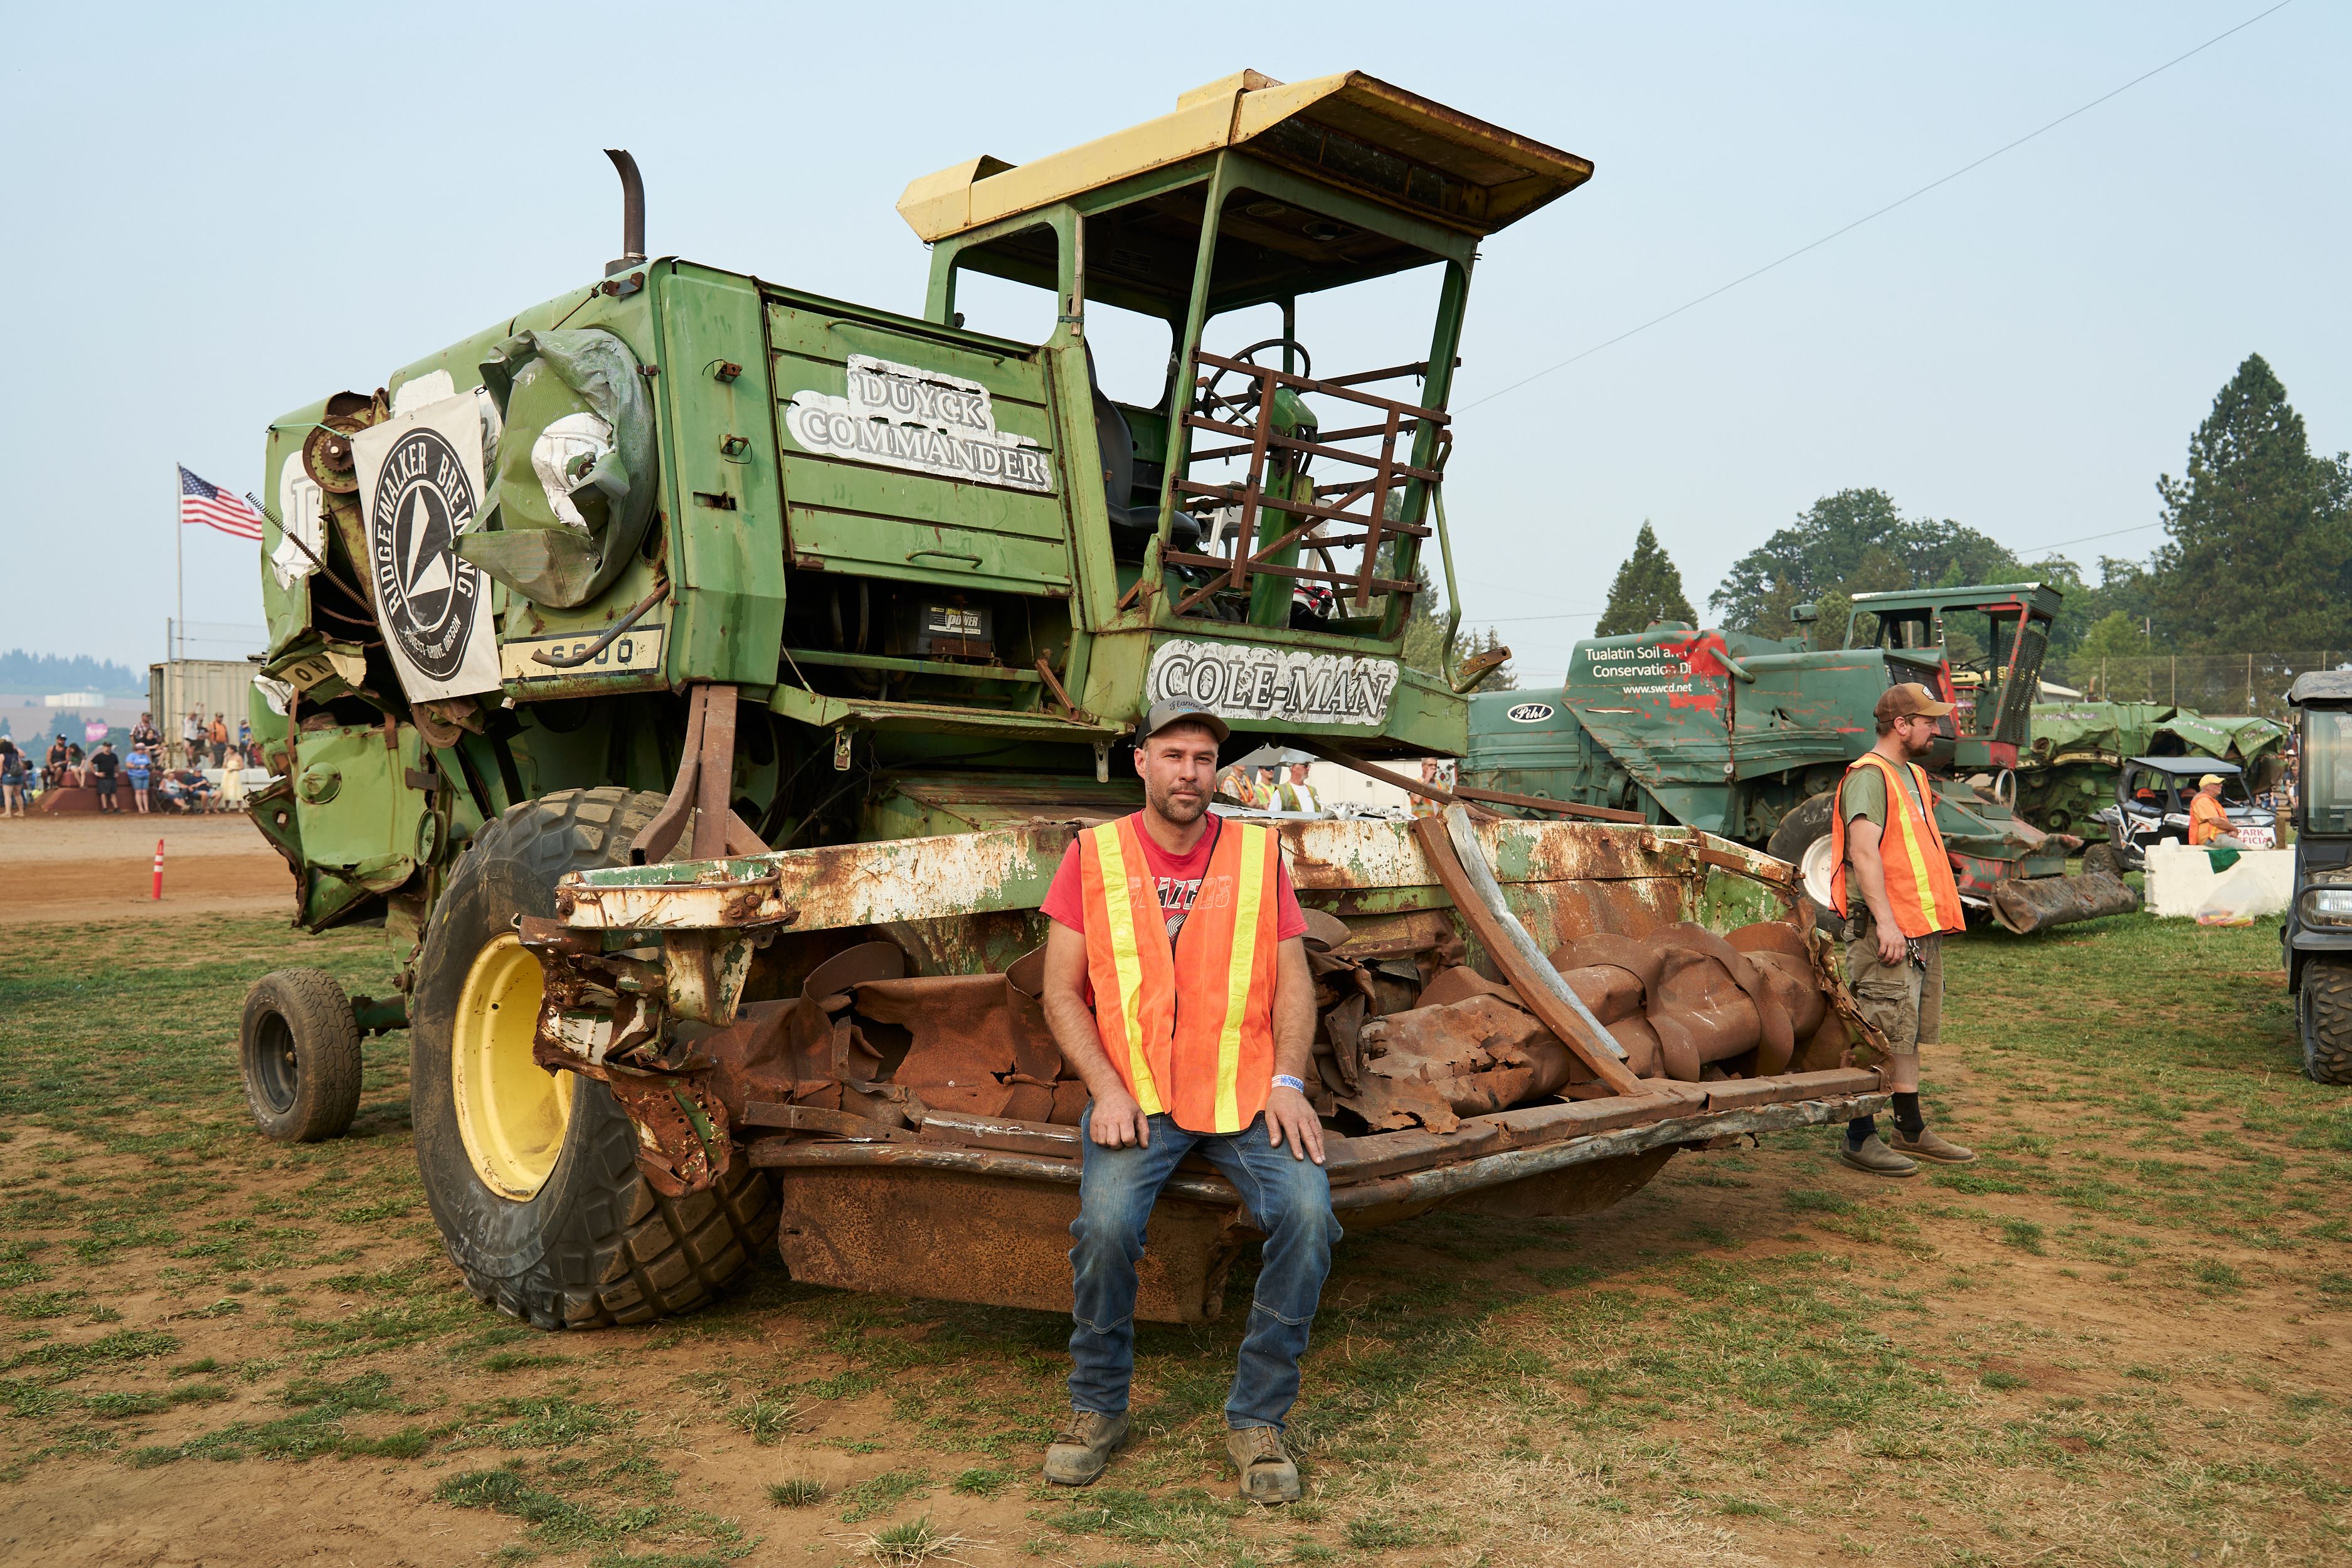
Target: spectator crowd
[139, 779]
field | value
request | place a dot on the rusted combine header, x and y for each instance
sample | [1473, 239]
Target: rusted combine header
[1516, 1018]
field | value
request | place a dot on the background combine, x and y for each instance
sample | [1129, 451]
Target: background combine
[1746, 736]
[703, 679]
[2066, 779]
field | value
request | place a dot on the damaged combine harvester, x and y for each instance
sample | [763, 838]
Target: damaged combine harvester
[926, 1126]
[702, 679]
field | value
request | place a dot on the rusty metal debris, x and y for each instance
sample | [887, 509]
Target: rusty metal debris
[869, 1050]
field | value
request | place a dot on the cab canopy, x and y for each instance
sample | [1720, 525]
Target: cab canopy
[1305, 507]
[1382, 151]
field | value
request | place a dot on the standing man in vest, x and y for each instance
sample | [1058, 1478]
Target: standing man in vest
[1893, 884]
[1177, 987]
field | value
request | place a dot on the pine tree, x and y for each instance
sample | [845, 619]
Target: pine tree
[2260, 553]
[1648, 588]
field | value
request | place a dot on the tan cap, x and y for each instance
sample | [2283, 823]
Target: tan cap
[1909, 701]
[1163, 714]
[2208, 778]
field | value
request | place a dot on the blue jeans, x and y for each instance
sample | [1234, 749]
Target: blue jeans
[1289, 1198]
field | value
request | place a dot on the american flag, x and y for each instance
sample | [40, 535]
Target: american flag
[215, 508]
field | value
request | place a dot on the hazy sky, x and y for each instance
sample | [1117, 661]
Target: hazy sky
[221, 213]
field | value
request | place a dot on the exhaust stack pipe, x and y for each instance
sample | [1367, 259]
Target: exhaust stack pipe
[633, 212]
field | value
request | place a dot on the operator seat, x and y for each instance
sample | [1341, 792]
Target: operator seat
[1131, 527]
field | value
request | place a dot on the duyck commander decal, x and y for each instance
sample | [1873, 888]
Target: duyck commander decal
[420, 483]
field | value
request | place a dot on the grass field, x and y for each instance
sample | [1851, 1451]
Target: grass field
[2121, 1338]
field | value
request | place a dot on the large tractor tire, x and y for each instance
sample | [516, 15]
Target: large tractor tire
[299, 1056]
[2322, 1013]
[532, 1175]
[1802, 840]
[2104, 858]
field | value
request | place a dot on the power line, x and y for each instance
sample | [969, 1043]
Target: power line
[1521, 620]
[1882, 212]
[2039, 550]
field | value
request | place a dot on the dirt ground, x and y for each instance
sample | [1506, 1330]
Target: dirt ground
[91, 867]
[2124, 1337]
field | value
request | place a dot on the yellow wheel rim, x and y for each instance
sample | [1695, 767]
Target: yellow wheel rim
[511, 1111]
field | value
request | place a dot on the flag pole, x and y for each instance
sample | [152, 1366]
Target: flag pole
[179, 564]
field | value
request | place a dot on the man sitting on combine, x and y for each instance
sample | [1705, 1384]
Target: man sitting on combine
[1889, 853]
[1177, 985]
[2208, 823]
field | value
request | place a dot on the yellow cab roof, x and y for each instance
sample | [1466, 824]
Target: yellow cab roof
[1349, 130]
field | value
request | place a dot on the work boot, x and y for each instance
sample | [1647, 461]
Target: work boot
[1268, 1475]
[1929, 1146]
[1873, 1155]
[1083, 1447]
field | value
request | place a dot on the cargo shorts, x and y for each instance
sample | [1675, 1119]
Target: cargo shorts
[1905, 1001]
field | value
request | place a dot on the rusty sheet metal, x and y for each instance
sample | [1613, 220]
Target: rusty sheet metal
[705, 971]
[824, 889]
[994, 1239]
[1571, 1190]
[969, 1224]
[1526, 1127]
[953, 875]
[683, 1144]
[978, 1046]
[1451, 1180]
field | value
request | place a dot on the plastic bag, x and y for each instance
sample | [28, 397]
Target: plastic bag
[574, 486]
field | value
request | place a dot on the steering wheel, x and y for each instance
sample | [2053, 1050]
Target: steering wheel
[1242, 405]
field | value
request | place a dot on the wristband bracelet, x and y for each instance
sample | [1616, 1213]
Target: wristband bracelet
[1284, 1081]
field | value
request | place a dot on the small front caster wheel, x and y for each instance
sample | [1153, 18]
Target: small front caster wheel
[300, 1055]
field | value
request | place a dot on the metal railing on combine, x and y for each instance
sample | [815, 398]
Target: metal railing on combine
[1334, 504]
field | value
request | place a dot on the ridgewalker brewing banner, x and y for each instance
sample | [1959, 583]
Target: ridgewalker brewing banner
[420, 485]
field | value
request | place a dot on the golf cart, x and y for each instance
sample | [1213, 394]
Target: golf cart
[2317, 934]
[2152, 795]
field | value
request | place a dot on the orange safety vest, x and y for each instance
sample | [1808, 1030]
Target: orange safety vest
[1918, 872]
[2207, 820]
[1190, 1027]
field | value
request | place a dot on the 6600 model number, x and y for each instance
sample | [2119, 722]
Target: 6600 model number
[637, 651]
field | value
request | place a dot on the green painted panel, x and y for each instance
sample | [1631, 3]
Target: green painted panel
[914, 452]
[818, 485]
[905, 549]
[829, 336]
[721, 481]
[354, 814]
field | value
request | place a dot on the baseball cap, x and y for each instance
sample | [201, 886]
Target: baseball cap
[1163, 714]
[2208, 778]
[1909, 701]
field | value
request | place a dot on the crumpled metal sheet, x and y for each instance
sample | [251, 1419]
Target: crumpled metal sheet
[683, 1144]
[528, 547]
[978, 1045]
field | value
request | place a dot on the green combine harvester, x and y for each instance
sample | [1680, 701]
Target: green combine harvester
[702, 679]
[1747, 737]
